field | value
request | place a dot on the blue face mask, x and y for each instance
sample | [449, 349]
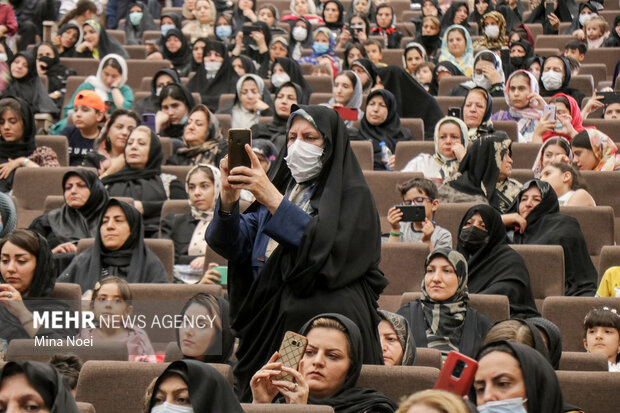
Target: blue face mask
[223, 32]
[165, 28]
[184, 120]
[135, 17]
[320, 48]
[504, 406]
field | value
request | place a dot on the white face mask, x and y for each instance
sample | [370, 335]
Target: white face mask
[482, 81]
[300, 34]
[172, 408]
[304, 160]
[504, 406]
[551, 80]
[280, 79]
[158, 91]
[213, 67]
[584, 18]
[492, 31]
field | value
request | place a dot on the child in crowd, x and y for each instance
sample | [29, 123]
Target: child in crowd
[89, 112]
[610, 283]
[576, 49]
[596, 32]
[424, 74]
[374, 50]
[111, 299]
[602, 335]
[419, 192]
[385, 20]
[69, 366]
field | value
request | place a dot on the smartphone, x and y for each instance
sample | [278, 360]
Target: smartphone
[457, 374]
[346, 113]
[609, 97]
[291, 351]
[549, 109]
[549, 8]
[237, 139]
[247, 32]
[412, 213]
[454, 112]
[223, 270]
[148, 119]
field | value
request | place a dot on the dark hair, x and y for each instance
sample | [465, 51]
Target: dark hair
[204, 169]
[558, 142]
[521, 74]
[123, 288]
[561, 99]
[13, 105]
[425, 185]
[174, 91]
[350, 47]
[430, 65]
[385, 5]
[501, 347]
[573, 63]
[69, 366]
[24, 239]
[363, 17]
[577, 182]
[82, 7]
[510, 330]
[577, 45]
[376, 42]
[487, 58]
[113, 117]
[113, 63]
[350, 75]
[601, 317]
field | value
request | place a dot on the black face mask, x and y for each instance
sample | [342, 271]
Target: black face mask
[48, 61]
[473, 238]
[517, 61]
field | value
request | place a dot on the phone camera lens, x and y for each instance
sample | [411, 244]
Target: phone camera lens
[294, 342]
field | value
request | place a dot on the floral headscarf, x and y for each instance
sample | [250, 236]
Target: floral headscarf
[465, 62]
[603, 147]
[501, 39]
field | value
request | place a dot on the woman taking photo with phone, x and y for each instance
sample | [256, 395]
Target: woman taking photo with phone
[289, 254]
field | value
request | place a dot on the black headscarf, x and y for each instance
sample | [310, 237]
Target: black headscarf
[390, 131]
[547, 226]
[150, 104]
[351, 399]
[133, 34]
[565, 11]
[306, 44]
[14, 150]
[176, 131]
[400, 325]
[69, 224]
[107, 43]
[339, 23]
[239, 18]
[223, 341]
[406, 90]
[479, 169]
[224, 81]
[209, 391]
[370, 68]
[494, 267]
[613, 41]
[30, 88]
[520, 62]
[180, 59]
[247, 63]
[576, 94]
[476, 17]
[194, 64]
[48, 382]
[293, 69]
[448, 19]
[71, 51]
[450, 67]
[542, 388]
[133, 261]
[554, 339]
[176, 18]
[324, 273]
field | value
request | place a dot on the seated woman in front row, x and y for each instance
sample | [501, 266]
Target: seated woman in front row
[328, 371]
[441, 318]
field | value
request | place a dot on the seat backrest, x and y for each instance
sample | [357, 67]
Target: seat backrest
[318, 98]
[382, 184]
[139, 68]
[597, 225]
[447, 83]
[524, 154]
[85, 407]
[592, 391]
[407, 150]
[428, 357]
[610, 127]
[66, 292]
[73, 82]
[584, 83]
[56, 201]
[597, 70]
[610, 257]
[535, 28]
[59, 144]
[292, 408]
[447, 102]
[547, 51]
[393, 57]
[180, 171]
[163, 248]
[550, 41]
[508, 126]
[606, 55]
[82, 65]
[545, 264]
[175, 206]
[364, 153]
[416, 126]
[579, 361]
[166, 147]
[522, 175]
[449, 216]
[173, 352]
[496, 307]
[603, 186]
[137, 51]
[118, 35]
[403, 265]
[397, 382]
[568, 314]
[225, 123]
[29, 349]
[320, 84]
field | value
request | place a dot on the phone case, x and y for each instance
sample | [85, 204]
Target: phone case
[457, 374]
[291, 351]
[412, 213]
[551, 109]
[346, 113]
[237, 139]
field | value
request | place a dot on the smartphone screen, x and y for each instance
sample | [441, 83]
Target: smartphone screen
[549, 109]
[549, 8]
[454, 112]
[237, 139]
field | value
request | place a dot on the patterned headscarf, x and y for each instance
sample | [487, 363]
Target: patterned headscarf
[445, 319]
[465, 62]
[603, 147]
[558, 140]
[501, 40]
[197, 245]
[405, 338]
[528, 116]
[449, 166]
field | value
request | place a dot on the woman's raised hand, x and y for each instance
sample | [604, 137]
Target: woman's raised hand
[229, 195]
[294, 392]
[263, 390]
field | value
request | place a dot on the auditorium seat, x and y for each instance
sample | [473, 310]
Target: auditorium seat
[118, 35]
[508, 126]
[449, 216]
[546, 52]
[397, 382]
[318, 98]
[448, 102]
[58, 143]
[163, 248]
[320, 84]
[226, 100]
[407, 150]
[568, 314]
[73, 82]
[605, 189]
[166, 144]
[580, 361]
[180, 171]
[499, 103]
[522, 175]
[606, 55]
[57, 201]
[496, 307]
[66, 292]
[447, 83]
[27, 349]
[82, 65]
[610, 257]
[597, 70]
[535, 28]
[282, 408]
[545, 264]
[584, 83]
[552, 40]
[119, 386]
[403, 265]
[225, 123]
[428, 357]
[136, 51]
[85, 407]
[597, 225]
[173, 352]
[610, 127]
[524, 154]
[416, 126]
[31, 186]
[175, 206]
[364, 153]
[382, 184]
[592, 391]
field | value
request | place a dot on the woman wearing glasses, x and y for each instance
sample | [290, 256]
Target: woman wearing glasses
[418, 192]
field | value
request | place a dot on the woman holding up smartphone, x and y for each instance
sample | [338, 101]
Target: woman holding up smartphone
[289, 254]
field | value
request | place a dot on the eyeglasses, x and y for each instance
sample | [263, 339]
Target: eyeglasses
[419, 200]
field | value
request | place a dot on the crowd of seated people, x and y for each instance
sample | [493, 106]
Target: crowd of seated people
[142, 96]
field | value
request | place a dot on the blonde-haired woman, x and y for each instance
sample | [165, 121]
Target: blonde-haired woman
[433, 401]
